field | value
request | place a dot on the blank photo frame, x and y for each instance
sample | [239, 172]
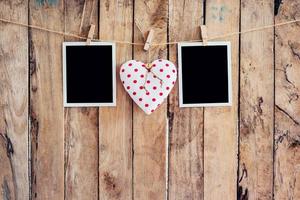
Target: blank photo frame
[204, 74]
[89, 74]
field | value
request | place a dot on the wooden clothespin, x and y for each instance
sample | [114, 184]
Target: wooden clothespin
[204, 36]
[90, 34]
[149, 40]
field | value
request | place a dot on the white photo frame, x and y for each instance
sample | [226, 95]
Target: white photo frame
[189, 44]
[95, 104]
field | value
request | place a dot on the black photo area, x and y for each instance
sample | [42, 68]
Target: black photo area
[89, 74]
[204, 74]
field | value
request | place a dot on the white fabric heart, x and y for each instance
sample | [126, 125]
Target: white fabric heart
[148, 86]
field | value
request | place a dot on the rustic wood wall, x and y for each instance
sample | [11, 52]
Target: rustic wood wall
[248, 151]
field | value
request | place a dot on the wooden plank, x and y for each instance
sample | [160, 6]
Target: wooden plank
[81, 153]
[115, 123]
[46, 103]
[81, 124]
[256, 101]
[185, 124]
[150, 131]
[7, 186]
[287, 115]
[220, 124]
[14, 181]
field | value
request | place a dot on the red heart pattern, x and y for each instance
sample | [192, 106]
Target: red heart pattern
[148, 87]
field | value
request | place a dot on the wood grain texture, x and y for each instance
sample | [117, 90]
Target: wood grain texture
[81, 153]
[115, 123]
[14, 181]
[220, 124]
[287, 115]
[185, 124]
[7, 179]
[120, 152]
[81, 124]
[256, 102]
[46, 103]
[150, 131]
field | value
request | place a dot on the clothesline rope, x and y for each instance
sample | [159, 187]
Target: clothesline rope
[141, 44]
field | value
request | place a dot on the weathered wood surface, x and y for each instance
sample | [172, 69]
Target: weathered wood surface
[81, 124]
[185, 124]
[256, 102]
[7, 187]
[115, 124]
[220, 124]
[46, 103]
[14, 181]
[287, 115]
[81, 153]
[120, 153]
[150, 131]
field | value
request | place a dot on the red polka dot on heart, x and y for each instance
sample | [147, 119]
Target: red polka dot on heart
[153, 99]
[143, 65]
[173, 71]
[154, 65]
[148, 82]
[152, 110]
[154, 87]
[134, 81]
[141, 87]
[142, 76]
[130, 64]
[154, 76]
[146, 105]
[168, 76]
[134, 93]
[140, 99]
[160, 94]
[123, 70]
[161, 70]
[167, 88]
[128, 87]
[167, 65]
[136, 70]
[128, 75]
[147, 93]
[173, 82]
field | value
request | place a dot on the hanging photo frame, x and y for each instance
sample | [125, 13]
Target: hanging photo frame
[204, 74]
[89, 74]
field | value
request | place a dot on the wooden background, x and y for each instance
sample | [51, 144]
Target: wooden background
[248, 151]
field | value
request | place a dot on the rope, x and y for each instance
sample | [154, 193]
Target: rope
[141, 44]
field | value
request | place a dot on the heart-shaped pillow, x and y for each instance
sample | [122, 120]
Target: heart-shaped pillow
[148, 84]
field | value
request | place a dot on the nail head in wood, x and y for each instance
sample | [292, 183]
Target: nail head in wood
[90, 34]
[149, 40]
[204, 35]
